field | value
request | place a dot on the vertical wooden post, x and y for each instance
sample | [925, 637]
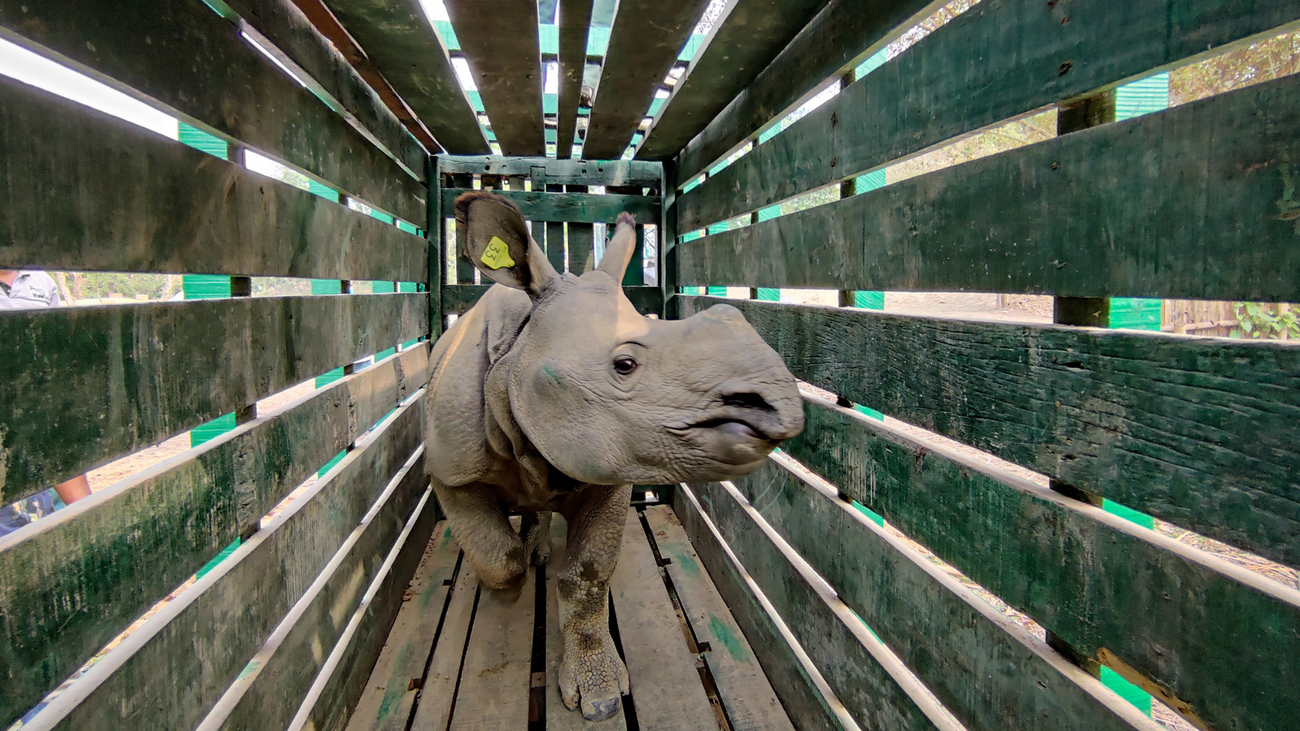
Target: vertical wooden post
[437, 251]
[464, 268]
[668, 241]
[555, 236]
[1072, 117]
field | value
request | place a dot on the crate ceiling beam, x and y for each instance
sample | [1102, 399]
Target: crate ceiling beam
[643, 46]
[500, 42]
[575, 17]
[740, 46]
[400, 43]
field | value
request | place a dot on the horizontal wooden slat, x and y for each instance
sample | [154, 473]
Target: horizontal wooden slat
[991, 673]
[343, 680]
[266, 693]
[1153, 207]
[574, 207]
[400, 43]
[327, 71]
[77, 578]
[500, 42]
[86, 385]
[188, 58]
[201, 641]
[644, 44]
[1203, 433]
[458, 298]
[802, 696]
[1222, 638]
[845, 31]
[1014, 57]
[742, 43]
[558, 172]
[85, 191]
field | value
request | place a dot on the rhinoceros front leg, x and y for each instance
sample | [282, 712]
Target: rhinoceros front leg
[484, 533]
[591, 673]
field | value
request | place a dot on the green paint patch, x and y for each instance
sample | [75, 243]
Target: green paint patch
[546, 370]
[1126, 690]
[875, 517]
[1129, 514]
[688, 564]
[393, 692]
[730, 640]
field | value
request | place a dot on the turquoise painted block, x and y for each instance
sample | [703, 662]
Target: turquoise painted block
[211, 430]
[205, 286]
[200, 140]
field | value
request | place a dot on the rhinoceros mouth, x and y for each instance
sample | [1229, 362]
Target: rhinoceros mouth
[730, 426]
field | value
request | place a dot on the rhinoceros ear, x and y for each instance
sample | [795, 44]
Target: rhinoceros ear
[493, 235]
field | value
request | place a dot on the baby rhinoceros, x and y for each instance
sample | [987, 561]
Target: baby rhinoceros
[554, 394]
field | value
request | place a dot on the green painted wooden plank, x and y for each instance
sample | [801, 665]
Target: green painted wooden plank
[988, 671]
[1220, 637]
[88, 192]
[437, 252]
[832, 42]
[743, 42]
[1017, 56]
[1199, 432]
[88, 384]
[341, 690]
[1107, 211]
[401, 44]
[500, 42]
[643, 45]
[75, 580]
[203, 640]
[565, 172]
[457, 299]
[264, 694]
[572, 207]
[189, 59]
[330, 75]
[801, 696]
[575, 16]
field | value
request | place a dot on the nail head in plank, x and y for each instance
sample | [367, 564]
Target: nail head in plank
[746, 694]
[644, 43]
[1204, 432]
[438, 696]
[389, 697]
[186, 57]
[660, 667]
[494, 684]
[501, 44]
[1107, 210]
[400, 43]
[93, 193]
[69, 408]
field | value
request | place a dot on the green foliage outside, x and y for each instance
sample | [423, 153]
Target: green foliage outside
[1261, 320]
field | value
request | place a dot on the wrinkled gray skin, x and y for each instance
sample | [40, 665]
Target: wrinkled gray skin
[554, 394]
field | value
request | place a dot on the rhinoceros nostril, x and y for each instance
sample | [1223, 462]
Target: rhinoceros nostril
[747, 400]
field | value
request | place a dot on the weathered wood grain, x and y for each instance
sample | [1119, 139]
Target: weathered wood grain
[565, 172]
[64, 206]
[643, 45]
[539, 205]
[803, 697]
[1015, 56]
[744, 690]
[843, 34]
[329, 74]
[343, 680]
[742, 43]
[267, 692]
[494, 684]
[390, 693]
[438, 695]
[1101, 212]
[87, 385]
[500, 42]
[1200, 432]
[459, 298]
[399, 42]
[188, 58]
[575, 16]
[989, 672]
[661, 669]
[437, 252]
[559, 718]
[76, 579]
[203, 639]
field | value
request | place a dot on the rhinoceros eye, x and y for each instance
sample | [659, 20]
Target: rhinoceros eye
[624, 365]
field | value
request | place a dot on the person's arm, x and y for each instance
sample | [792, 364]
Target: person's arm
[73, 490]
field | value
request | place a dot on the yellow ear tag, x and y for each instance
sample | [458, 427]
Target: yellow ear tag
[497, 254]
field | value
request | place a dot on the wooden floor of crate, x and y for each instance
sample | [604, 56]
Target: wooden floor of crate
[458, 659]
